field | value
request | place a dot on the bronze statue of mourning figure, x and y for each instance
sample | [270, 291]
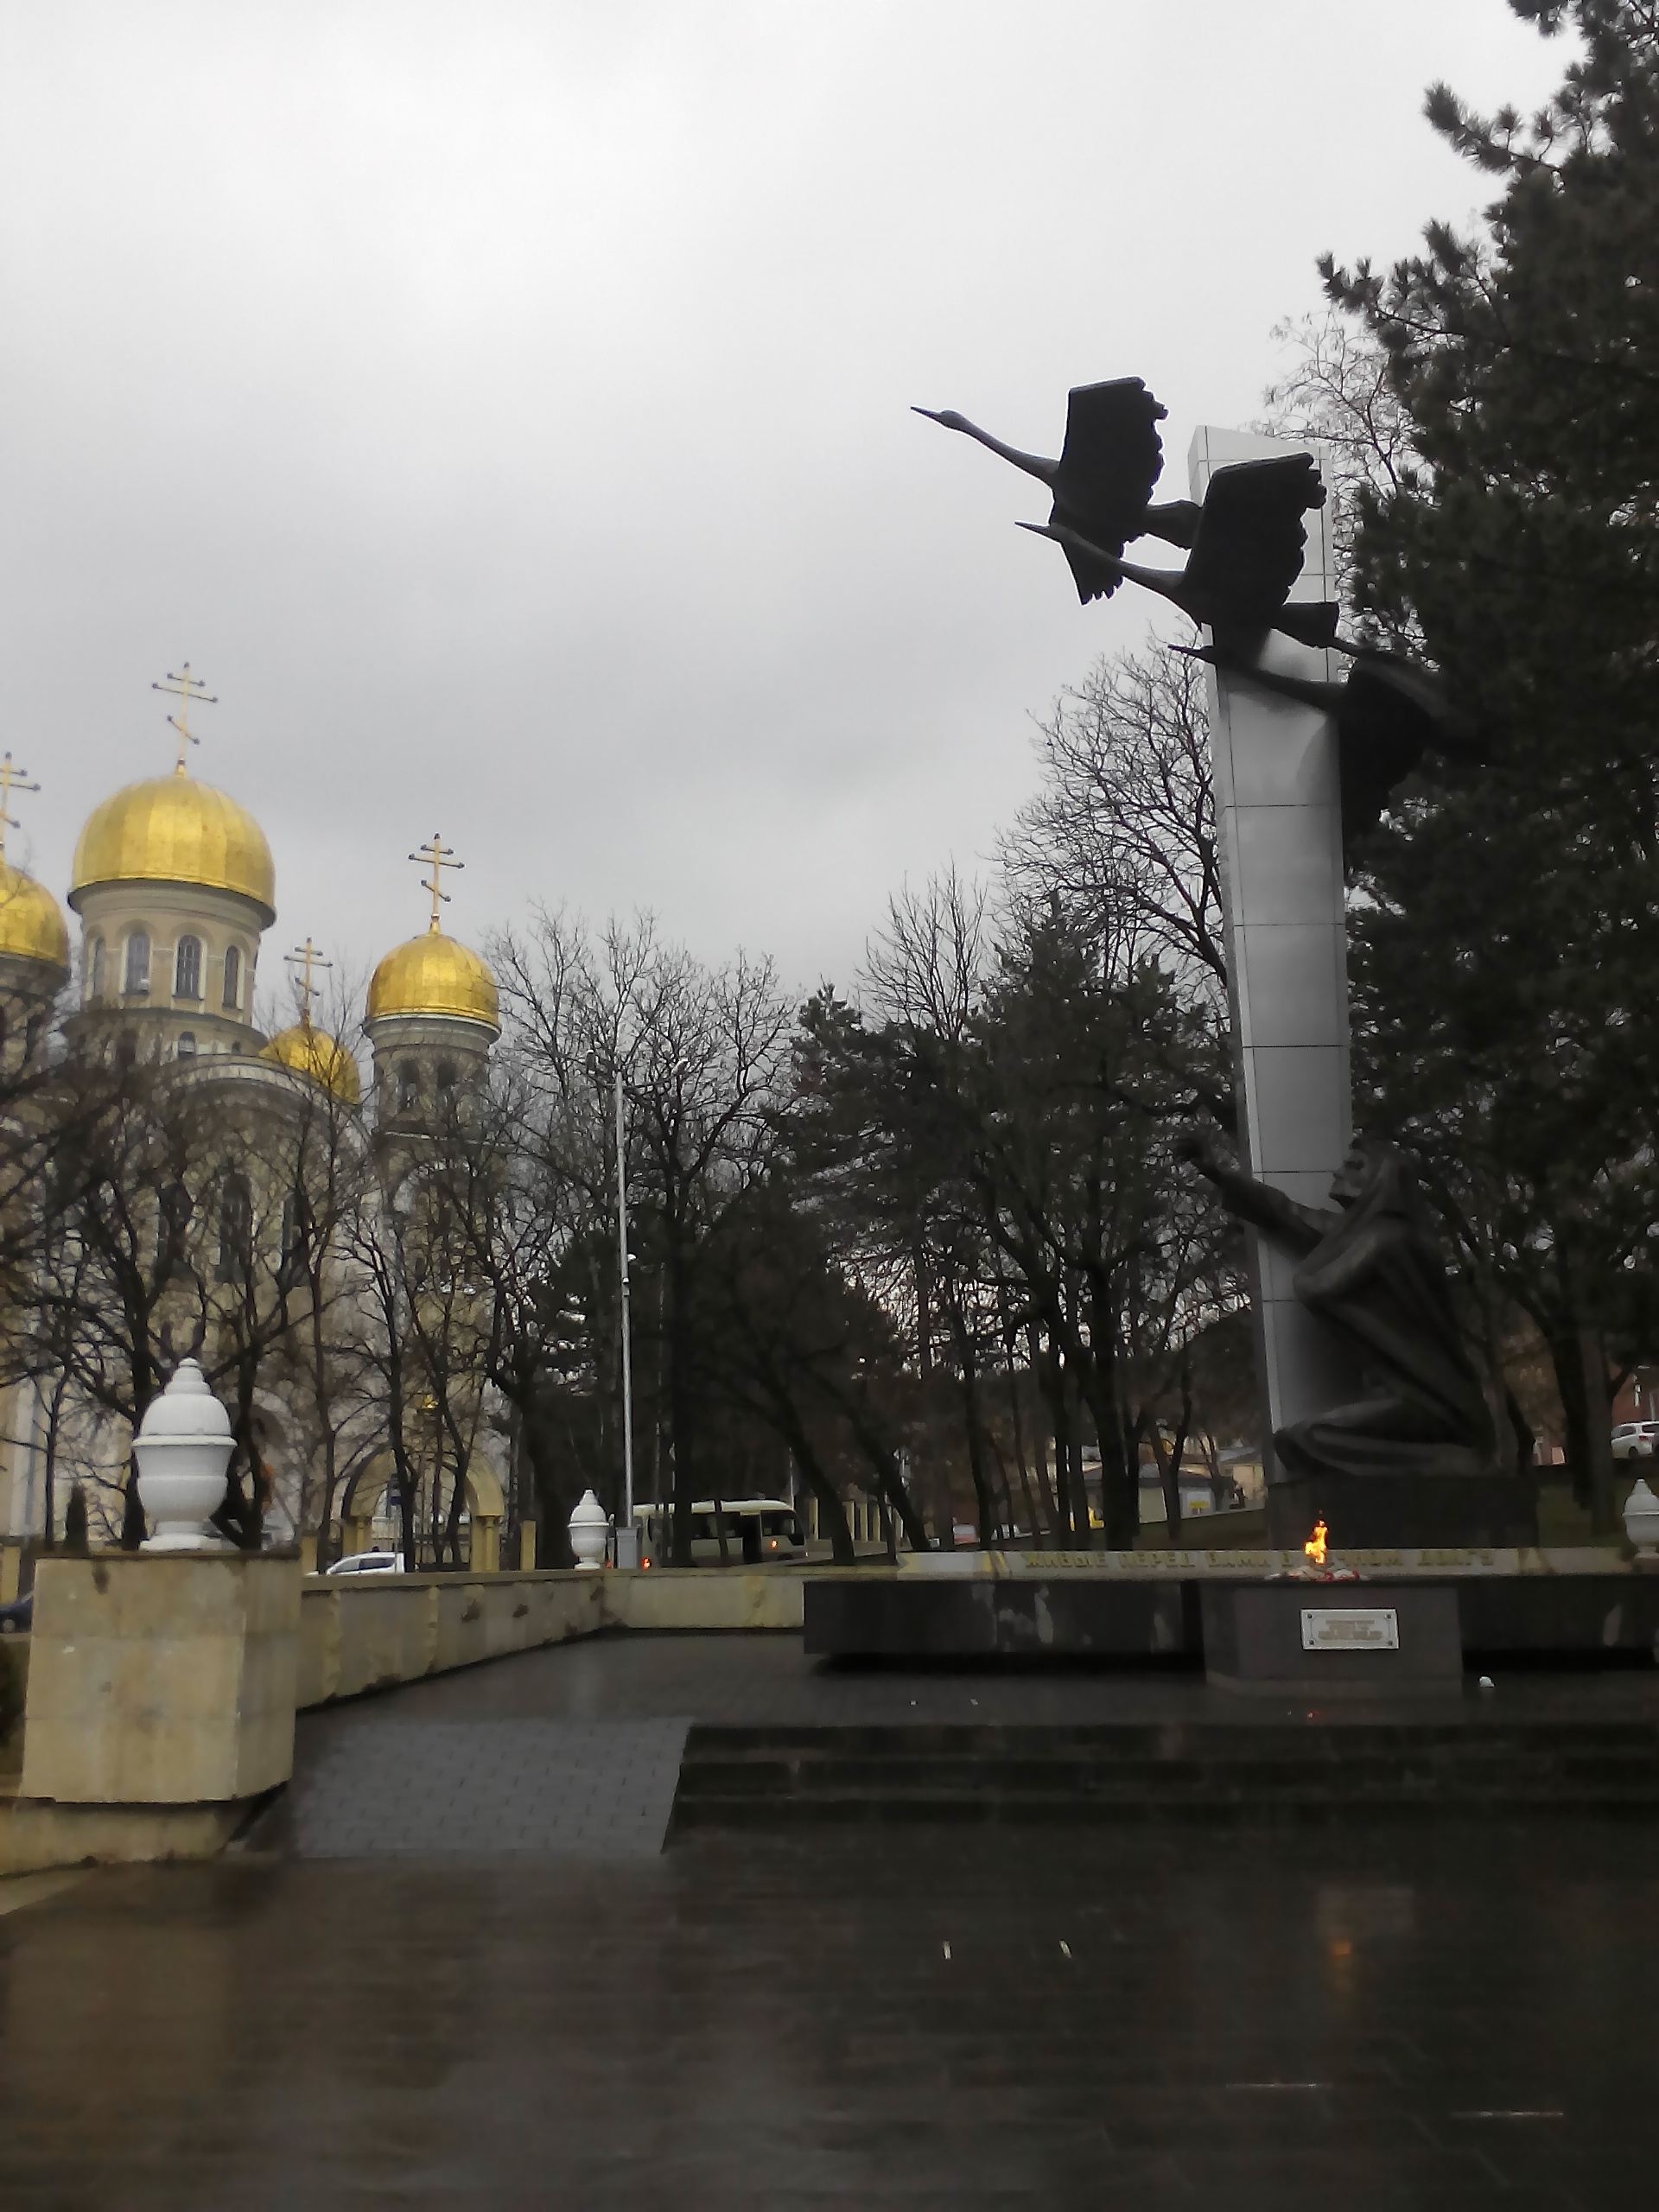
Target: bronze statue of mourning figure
[1413, 1461]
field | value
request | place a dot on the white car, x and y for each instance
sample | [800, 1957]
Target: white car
[1636, 1439]
[369, 1563]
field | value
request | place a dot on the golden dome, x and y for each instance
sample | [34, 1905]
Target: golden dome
[173, 830]
[31, 922]
[315, 1052]
[434, 975]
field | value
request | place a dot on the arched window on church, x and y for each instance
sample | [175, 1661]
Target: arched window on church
[446, 1086]
[138, 979]
[95, 986]
[32, 1029]
[188, 1044]
[292, 1269]
[232, 980]
[186, 969]
[235, 1231]
[409, 1086]
[172, 1233]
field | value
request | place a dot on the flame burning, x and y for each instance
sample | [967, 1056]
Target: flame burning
[1314, 1548]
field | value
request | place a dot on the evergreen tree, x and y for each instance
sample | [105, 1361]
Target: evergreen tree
[1506, 942]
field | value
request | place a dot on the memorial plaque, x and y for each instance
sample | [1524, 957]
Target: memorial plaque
[1351, 1628]
[1354, 1640]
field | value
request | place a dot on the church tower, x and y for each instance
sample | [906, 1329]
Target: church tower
[34, 942]
[432, 1017]
[174, 887]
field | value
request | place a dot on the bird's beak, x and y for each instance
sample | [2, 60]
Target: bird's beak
[1070, 539]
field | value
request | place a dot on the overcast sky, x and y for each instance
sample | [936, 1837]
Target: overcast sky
[505, 407]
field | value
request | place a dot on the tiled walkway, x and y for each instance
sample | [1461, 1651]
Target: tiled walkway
[390, 1788]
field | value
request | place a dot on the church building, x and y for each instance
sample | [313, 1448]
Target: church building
[174, 886]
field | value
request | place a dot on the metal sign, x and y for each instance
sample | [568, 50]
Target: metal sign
[1351, 1628]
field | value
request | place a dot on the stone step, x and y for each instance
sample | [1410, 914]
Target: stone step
[746, 1776]
[756, 1777]
[1168, 1739]
[1307, 1808]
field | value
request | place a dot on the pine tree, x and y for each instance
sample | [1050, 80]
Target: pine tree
[1506, 953]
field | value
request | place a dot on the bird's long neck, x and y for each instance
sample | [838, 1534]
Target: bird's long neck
[1032, 463]
[1165, 581]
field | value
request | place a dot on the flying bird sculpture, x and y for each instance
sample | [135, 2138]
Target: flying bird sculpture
[1247, 550]
[1388, 711]
[1102, 482]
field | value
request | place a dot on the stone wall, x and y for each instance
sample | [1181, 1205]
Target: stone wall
[161, 1678]
[368, 1633]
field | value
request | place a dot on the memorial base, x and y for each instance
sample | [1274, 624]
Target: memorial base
[1493, 1512]
[1332, 1640]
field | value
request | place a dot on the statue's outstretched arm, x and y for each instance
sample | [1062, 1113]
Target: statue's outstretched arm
[1264, 1208]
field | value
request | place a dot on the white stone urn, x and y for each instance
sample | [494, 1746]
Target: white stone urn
[183, 1450]
[1642, 1523]
[589, 1534]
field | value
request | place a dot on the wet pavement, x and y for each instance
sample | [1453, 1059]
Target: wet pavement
[1430, 2015]
[767, 1680]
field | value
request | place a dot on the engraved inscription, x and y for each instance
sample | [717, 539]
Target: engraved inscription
[1351, 1628]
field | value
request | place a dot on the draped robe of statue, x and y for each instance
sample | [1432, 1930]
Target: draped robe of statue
[1372, 1272]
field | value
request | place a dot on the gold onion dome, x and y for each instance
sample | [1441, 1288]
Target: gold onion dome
[314, 1052]
[31, 922]
[173, 830]
[434, 975]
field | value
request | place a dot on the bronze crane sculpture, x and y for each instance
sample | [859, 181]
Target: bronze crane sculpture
[1247, 550]
[1102, 482]
[1388, 711]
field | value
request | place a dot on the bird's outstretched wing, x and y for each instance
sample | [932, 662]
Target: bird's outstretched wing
[1113, 454]
[1111, 460]
[1250, 541]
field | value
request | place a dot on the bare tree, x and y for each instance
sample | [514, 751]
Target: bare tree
[1336, 390]
[1122, 836]
[702, 1054]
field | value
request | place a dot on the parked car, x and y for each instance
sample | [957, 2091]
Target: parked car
[1636, 1439]
[15, 1618]
[369, 1563]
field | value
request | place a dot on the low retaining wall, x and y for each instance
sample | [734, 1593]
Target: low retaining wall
[704, 1597]
[1232, 1563]
[357, 1636]
[367, 1634]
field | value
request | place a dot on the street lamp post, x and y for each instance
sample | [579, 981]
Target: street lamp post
[627, 1537]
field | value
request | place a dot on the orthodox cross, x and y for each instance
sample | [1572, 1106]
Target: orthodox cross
[11, 779]
[305, 957]
[189, 691]
[441, 856]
